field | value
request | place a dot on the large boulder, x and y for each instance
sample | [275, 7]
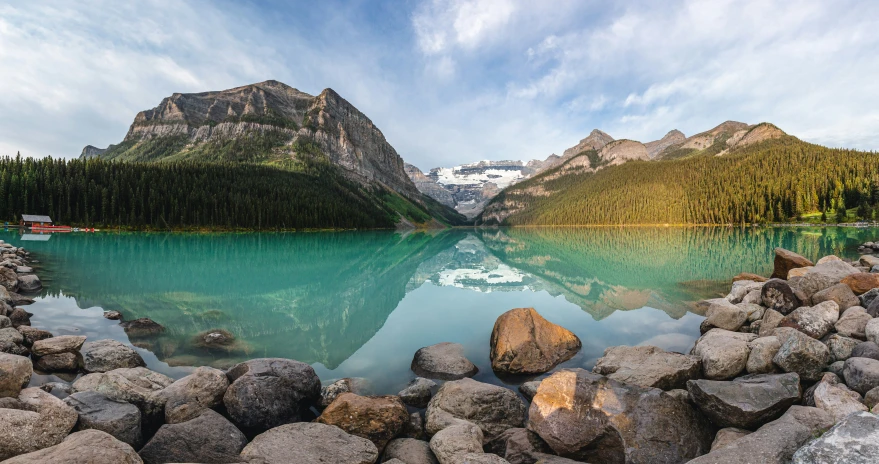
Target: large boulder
[853, 323]
[861, 374]
[724, 354]
[648, 366]
[58, 345]
[379, 419]
[585, 416]
[724, 315]
[309, 442]
[801, 353]
[822, 276]
[107, 355]
[136, 385]
[444, 361]
[451, 444]
[15, 373]
[98, 412]
[518, 446]
[186, 398]
[746, 402]
[854, 440]
[523, 342]
[841, 294]
[785, 260]
[268, 392]
[39, 420]
[862, 282]
[85, 447]
[763, 350]
[492, 408]
[409, 451]
[778, 295]
[775, 442]
[836, 398]
[207, 438]
[814, 321]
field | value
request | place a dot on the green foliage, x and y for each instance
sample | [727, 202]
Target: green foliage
[773, 181]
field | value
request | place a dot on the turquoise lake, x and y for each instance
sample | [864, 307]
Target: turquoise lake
[359, 304]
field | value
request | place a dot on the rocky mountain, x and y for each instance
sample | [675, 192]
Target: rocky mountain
[273, 123]
[658, 146]
[92, 152]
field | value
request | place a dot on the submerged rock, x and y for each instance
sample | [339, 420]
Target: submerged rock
[310, 442]
[648, 366]
[746, 402]
[143, 327]
[443, 361]
[523, 342]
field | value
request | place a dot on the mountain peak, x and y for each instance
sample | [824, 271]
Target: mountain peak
[596, 140]
[657, 146]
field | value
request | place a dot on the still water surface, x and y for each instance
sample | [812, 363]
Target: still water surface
[360, 304]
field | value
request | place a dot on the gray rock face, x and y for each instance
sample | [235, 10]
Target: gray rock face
[418, 392]
[865, 350]
[778, 295]
[29, 283]
[356, 385]
[841, 294]
[8, 279]
[310, 442]
[588, 417]
[86, 447]
[268, 392]
[409, 451]
[726, 436]
[814, 321]
[107, 355]
[15, 373]
[186, 398]
[775, 442]
[97, 412]
[40, 421]
[801, 354]
[207, 438]
[853, 323]
[493, 409]
[747, 402]
[854, 440]
[648, 366]
[414, 428]
[724, 354]
[137, 386]
[444, 361]
[450, 444]
[868, 297]
[841, 347]
[861, 374]
[518, 446]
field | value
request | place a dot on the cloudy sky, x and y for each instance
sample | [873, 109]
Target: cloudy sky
[450, 81]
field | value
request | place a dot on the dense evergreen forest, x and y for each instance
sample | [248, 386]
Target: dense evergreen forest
[191, 194]
[773, 181]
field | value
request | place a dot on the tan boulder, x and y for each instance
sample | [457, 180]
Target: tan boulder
[785, 260]
[523, 342]
[379, 419]
[798, 271]
[862, 282]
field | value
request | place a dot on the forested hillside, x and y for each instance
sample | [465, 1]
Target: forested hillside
[185, 195]
[779, 179]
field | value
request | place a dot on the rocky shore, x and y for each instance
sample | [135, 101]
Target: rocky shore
[786, 370]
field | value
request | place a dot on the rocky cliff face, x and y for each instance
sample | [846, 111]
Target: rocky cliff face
[91, 152]
[657, 146]
[595, 141]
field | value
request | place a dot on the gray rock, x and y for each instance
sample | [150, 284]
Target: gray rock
[444, 361]
[136, 385]
[207, 438]
[836, 368]
[770, 321]
[742, 288]
[584, 416]
[762, 351]
[841, 294]
[23, 270]
[107, 355]
[726, 436]
[450, 444]
[865, 350]
[113, 315]
[871, 398]
[868, 297]
[118, 418]
[60, 390]
[840, 347]
[409, 451]
[418, 392]
[492, 408]
[873, 307]
[518, 446]
[143, 327]
[8, 279]
[648, 366]
[836, 398]
[58, 345]
[747, 402]
[754, 297]
[32, 335]
[268, 392]
[871, 330]
[39, 421]
[724, 315]
[777, 295]
[775, 442]
[529, 389]
[310, 442]
[356, 385]
[86, 447]
[724, 354]
[5, 322]
[814, 321]
[15, 373]
[61, 362]
[29, 283]
[854, 440]
[19, 317]
[801, 354]
[824, 275]
[186, 398]
[414, 428]
[853, 323]
[861, 374]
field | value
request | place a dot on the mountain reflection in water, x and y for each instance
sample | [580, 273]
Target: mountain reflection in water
[361, 303]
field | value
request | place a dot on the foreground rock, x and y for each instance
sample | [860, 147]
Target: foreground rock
[724, 354]
[15, 373]
[836, 398]
[98, 412]
[801, 354]
[775, 442]
[268, 392]
[443, 361]
[136, 385]
[107, 355]
[523, 342]
[451, 444]
[493, 409]
[814, 321]
[186, 398]
[822, 276]
[40, 420]
[409, 451]
[854, 440]
[648, 366]
[376, 418]
[586, 416]
[722, 314]
[207, 438]
[86, 447]
[29, 283]
[785, 260]
[310, 442]
[746, 402]
[861, 374]
[57, 345]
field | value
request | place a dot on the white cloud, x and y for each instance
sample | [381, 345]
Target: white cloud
[443, 25]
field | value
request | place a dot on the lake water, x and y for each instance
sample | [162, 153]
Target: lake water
[361, 303]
